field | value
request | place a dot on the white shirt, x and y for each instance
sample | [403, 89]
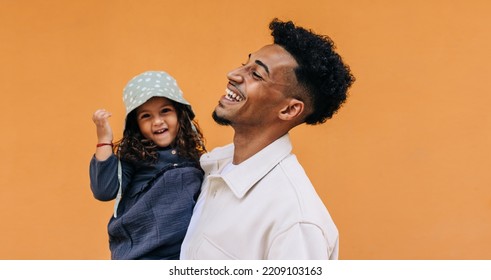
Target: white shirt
[263, 208]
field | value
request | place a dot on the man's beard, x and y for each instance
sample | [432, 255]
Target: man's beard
[219, 120]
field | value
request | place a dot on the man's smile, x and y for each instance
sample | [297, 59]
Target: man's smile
[232, 96]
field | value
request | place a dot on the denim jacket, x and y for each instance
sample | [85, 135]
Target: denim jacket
[156, 205]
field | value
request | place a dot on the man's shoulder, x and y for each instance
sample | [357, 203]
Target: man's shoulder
[292, 167]
[297, 183]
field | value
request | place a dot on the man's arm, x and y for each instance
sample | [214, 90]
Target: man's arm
[302, 241]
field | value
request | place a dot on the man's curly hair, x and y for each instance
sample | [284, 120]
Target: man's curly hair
[320, 70]
[135, 148]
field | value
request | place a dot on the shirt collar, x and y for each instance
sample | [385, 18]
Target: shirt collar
[245, 175]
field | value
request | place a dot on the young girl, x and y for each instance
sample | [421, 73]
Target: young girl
[153, 171]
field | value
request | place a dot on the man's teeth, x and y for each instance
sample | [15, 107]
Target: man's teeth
[232, 96]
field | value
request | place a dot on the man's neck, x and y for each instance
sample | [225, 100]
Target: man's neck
[248, 143]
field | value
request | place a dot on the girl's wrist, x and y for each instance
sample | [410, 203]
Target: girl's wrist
[102, 144]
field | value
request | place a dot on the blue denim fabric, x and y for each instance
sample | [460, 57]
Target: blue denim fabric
[156, 206]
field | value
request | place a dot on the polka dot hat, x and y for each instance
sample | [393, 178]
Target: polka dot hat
[150, 84]
[141, 88]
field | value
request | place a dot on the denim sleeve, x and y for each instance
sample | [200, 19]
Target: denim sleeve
[104, 178]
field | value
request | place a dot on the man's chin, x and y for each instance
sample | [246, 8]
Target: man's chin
[220, 120]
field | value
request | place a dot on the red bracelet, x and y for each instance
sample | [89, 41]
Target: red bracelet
[104, 144]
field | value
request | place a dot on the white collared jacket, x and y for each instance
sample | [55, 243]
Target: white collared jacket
[264, 208]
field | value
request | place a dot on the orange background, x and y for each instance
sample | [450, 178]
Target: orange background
[403, 168]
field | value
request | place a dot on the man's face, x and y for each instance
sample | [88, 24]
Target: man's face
[258, 89]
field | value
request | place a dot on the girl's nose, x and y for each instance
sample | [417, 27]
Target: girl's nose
[159, 121]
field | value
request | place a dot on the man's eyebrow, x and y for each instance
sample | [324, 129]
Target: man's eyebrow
[260, 63]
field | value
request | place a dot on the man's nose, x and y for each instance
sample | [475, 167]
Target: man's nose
[236, 75]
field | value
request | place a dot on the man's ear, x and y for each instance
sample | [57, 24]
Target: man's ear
[292, 110]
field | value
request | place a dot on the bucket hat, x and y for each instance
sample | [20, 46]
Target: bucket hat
[151, 84]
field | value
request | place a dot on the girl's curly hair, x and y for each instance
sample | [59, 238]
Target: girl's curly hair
[135, 148]
[320, 70]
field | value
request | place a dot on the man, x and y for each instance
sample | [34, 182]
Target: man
[256, 201]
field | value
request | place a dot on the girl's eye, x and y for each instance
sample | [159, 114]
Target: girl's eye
[166, 110]
[144, 116]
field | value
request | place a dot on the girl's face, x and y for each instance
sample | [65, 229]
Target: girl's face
[157, 120]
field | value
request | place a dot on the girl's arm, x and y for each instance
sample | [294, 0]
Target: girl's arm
[104, 134]
[104, 178]
[103, 166]
[104, 181]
